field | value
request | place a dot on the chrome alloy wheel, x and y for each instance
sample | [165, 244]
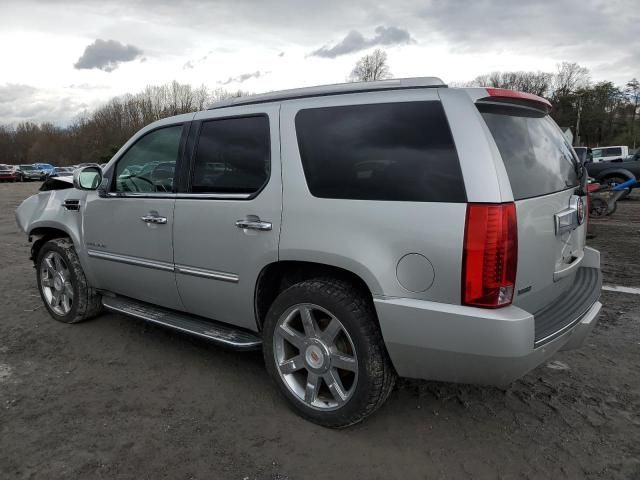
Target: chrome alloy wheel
[315, 356]
[55, 282]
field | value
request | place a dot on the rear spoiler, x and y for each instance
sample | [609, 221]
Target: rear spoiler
[523, 98]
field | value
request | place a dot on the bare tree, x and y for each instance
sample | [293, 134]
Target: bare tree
[632, 91]
[371, 67]
[538, 83]
[570, 77]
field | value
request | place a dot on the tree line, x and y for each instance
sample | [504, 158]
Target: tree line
[599, 113]
[96, 135]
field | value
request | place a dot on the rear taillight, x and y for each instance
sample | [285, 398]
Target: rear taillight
[490, 255]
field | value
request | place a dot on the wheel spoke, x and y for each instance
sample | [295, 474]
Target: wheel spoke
[68, 289]
[292, 365]
[312, 387]
[47, 282]
[307, 321]
[343, 362]
[329, 334]
[57, 265]
[55, 298]
[64, 302]
[48, 262]
[332, 379]
[291, 336]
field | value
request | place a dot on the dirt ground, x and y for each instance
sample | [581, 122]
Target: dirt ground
[118, 398]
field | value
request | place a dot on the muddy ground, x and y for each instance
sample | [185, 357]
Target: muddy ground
[117, 398]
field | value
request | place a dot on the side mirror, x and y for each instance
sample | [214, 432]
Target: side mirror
[87, 178]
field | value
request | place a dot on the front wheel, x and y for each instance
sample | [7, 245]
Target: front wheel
[63, 285]
[324, 349]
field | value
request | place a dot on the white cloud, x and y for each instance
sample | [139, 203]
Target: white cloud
[231, 40]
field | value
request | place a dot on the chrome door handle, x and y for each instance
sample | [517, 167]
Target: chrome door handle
[154, 219]
[253, 223]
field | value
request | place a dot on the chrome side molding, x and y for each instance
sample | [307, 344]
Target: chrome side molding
[212, 274]
[165, 266]
[140, 262]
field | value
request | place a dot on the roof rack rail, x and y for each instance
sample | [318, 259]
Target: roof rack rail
[335, 89]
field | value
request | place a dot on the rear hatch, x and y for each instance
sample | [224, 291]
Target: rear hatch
[546, 183]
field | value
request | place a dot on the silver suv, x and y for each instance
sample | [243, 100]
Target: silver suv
[354, 232]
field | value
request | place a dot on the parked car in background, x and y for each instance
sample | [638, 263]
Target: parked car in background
[585, 154]
[614, 153]
[615, 171]
[61, 172]
[354, 232]
[45, 168]
[27, 173]
[7, 173]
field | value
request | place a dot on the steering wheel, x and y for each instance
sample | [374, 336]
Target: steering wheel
[132, 182]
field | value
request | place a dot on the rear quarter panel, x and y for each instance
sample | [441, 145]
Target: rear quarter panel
[366, 237]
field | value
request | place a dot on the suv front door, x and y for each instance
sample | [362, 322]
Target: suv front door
[227, 219]
[128, 228]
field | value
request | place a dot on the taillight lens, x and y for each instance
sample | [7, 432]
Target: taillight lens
[490, 255]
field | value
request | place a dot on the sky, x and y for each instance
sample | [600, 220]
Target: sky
[60, 58]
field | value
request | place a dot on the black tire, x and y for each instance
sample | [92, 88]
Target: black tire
[376, 375]
[86, 301]
[598, 208]
[617, 180]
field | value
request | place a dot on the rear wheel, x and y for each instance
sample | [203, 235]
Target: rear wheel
[62, 284]
[325, 352]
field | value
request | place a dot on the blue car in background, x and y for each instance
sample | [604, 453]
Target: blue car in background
[45, 168]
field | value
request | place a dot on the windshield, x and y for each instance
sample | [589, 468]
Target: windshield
[26, 167]
[538, 158]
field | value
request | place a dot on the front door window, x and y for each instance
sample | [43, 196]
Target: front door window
[149, 165]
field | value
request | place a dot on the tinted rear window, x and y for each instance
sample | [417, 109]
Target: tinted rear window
[538, 158]
[389, 151]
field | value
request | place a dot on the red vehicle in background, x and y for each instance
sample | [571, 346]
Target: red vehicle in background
[7, 173]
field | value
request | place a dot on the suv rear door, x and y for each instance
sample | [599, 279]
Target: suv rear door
[227, 218]
[542, 171]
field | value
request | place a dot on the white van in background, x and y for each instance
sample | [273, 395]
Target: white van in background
[619, 152]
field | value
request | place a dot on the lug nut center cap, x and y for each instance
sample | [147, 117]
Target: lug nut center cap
[314, 356]
[57, 283]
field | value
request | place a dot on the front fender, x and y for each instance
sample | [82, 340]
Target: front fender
[43, 212]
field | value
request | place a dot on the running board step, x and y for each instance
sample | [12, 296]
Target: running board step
[217, 332]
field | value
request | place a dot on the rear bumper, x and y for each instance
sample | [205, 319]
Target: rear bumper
[454, 343]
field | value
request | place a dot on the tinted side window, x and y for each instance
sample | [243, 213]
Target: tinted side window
[232, 156]
[388, 151]
[149, 165]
